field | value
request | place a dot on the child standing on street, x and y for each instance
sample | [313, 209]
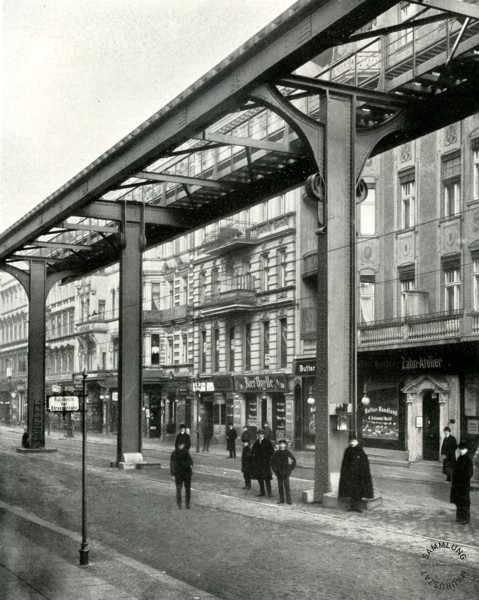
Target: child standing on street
[282, 463]
[181, 469]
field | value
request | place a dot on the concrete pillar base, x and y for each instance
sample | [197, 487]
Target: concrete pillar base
[131, 460]
[331, 500]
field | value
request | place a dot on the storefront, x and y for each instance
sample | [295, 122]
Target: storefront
[411, 395]
[304, 404]
[264, 397]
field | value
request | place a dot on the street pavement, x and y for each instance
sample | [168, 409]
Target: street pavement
[415, 514]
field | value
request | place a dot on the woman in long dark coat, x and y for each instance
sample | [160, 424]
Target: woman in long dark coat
[461, 485]
[355, 481]
[262, 452]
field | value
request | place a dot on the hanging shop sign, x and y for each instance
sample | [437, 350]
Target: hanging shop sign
[305, 368]
[223, 383]
[272, 382]
[63, 403]
[203, 385]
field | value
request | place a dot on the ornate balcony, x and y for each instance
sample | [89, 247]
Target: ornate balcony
[310, 265]
[234, 294]
[434, 328]
[95, 324]
[230, 236]
[156, 317]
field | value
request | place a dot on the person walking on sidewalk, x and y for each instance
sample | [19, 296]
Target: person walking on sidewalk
[207, 430]
[246, 464]
[448, 449]
[461, 485]
[268, 433]
[231, 435]
[245, 434]
[282, 463]
[355, 481]
[262, 452]
[183, 438]
[181, 469]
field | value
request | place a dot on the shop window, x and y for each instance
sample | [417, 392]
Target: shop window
[408, 204]
[451, 181]
[452, 289]
[219, 414]
[367, 299]
[266, 357]
[283, 353]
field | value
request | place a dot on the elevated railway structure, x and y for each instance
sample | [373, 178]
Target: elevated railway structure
[252, 127]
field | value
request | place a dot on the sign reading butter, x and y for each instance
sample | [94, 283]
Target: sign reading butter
[63, 403]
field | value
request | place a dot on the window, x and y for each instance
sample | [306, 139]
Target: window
[203, 351]
[247, 347]
[116, 352]
[407, 11]
[475, 270]
[281, 267]
[216, 349]
[265, 344]
[184, 348]
[184, 290]
[408, 201]
[367, 213]
[452, 289]
[231, 348]
[451, 181]
[101, 309]
[476, 173]
[155, 349]
[215, 281]
[366, 299]
[265, 271]
[202, 286]
[407, 284]
[283, 346]
[170, 357]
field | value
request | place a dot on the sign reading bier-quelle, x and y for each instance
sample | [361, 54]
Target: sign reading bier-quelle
[63, 403]
[272, 382]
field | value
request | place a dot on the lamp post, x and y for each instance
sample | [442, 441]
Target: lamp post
[84, 543]
[197, 421]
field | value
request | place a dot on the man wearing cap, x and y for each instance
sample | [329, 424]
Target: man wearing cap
[282, 463]
[183, 438]
[262, 452]
[461, 485]
[448, 449]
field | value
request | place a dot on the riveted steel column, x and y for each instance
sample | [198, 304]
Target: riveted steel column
[37, 294]
[336, 350]
[130, 333]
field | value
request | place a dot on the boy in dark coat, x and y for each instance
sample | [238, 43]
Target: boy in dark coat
[183, 438]
[262, 452]
[231, 436]
[181, 469]
[461, 485]
[246, 464]
[282, 463]
[448, 449]
[355, 480]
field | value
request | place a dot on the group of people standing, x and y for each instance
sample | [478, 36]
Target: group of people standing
[260, 460]
[459, 472]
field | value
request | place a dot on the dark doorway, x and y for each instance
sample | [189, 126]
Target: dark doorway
[264, 411]
[430, 432]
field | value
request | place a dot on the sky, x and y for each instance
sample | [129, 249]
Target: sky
[79, 75]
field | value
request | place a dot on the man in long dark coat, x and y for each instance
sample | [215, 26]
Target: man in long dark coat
[247, 464]
[448, 449]
[181, 469]
[262, 452]
[231, 435]
[461, 485]
[355, 481]
[183, 438]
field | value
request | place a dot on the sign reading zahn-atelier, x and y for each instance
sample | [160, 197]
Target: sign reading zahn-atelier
[272, 382]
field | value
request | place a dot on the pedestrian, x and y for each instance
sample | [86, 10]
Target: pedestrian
[355, 480]
[245, 434]
[181, 469]
[247, 464]
[231, 435]
[461, 485]
[262, 452]
[268, 433]
[282, 463]
[207, 434]
[448, 449]
[183, 438]
[25, 439]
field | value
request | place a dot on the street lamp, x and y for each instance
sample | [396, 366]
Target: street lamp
[84, 544]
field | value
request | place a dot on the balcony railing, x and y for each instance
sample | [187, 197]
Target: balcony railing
[231, 294]
[230, 235]
[167, 314]
[93, 325]
[422, 328]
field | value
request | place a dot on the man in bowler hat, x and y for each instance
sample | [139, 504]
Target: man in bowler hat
[262, 452]
[183, 438]
[461, 485]
[448, 449]
[181, 469]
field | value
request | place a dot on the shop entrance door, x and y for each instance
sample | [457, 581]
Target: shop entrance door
[430, 431]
